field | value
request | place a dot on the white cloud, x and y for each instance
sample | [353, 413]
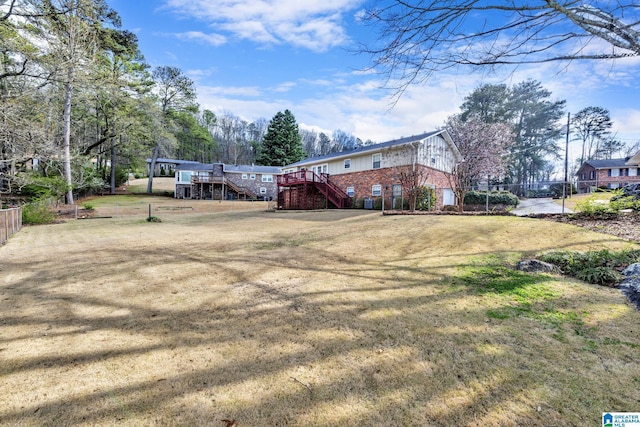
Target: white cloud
[311, 24]
[212, 39]
[206, 92]
[285, 87]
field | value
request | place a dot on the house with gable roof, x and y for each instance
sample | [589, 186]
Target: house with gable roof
[219, 181]
[608, 173]
[370, 172]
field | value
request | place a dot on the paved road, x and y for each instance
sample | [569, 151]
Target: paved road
[538, 206]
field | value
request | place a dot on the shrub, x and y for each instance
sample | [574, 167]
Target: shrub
[40, 188]
[594, 208]
[625, 202]
[426, 200]
[597, 267]
[88, 206]
[556, 190]
[450, 208]
[495, 198]
[401, 203]
[37, 212]
[358, 203]
[377, 203]
[153, 219]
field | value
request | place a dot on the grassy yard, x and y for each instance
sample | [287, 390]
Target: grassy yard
[321, 318]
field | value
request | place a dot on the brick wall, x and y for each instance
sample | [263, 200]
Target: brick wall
[254, 185]
[602, 179]
[387, 177]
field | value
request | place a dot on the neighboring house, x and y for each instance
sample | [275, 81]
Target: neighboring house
[218, 181]
[610, 173]
[166, 167]
[372, 171]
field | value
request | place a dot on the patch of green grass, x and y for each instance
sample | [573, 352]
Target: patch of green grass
[522, 294]
[615, 341]
[597, 267]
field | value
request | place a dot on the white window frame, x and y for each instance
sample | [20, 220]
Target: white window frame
[347, 163]
[252, 176]
[267, 178]
[320, 169]
[373, 160]
[183, 174]
[351, 191]
[376, 190]
[244, 176]
[263, 190]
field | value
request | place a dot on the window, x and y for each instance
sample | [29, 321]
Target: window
[185, 177]
[350, 191]
[376, 160]
[347, 163]
[376, 190]
[321, 169]
[592, 175]
[614, 172]
[267, 178]
[263, 190]
[252, 176]
[244, 176]
[583, 176]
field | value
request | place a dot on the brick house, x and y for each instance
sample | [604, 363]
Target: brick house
[372, 171]
[219, 181]
[609, 173]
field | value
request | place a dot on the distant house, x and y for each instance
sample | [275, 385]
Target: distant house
[609, 173]
[219, 181]
[166, 167]
[372, 171]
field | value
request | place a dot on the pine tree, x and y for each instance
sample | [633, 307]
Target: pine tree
[282, 144]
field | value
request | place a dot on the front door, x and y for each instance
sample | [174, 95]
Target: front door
[448, 198]
[396, 196]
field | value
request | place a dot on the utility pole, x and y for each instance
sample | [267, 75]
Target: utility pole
[566, 163]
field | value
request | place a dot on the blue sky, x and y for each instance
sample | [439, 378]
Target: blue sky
[254, 58]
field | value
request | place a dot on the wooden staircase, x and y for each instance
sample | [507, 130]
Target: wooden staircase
[307, 190]
[248, 194]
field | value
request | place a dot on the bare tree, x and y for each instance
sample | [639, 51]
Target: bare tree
[419, 38]
[484, 149]
[413, 176]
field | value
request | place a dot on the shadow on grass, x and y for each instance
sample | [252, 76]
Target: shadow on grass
[378, 342]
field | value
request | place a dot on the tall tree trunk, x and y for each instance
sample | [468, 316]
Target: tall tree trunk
[112, 183]
[152, 167]
[68, 90]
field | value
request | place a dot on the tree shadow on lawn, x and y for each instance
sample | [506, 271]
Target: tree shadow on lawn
[226, 329]
[378, 344]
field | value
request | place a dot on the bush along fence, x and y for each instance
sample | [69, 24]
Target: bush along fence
[10, 222]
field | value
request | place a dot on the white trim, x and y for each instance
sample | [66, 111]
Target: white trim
[376, 188]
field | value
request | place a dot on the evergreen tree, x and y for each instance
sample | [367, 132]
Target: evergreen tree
[282, 145]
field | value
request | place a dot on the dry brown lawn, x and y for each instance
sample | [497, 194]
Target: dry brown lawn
[307, 319]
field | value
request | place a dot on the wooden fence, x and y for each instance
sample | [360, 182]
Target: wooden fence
[10, 223]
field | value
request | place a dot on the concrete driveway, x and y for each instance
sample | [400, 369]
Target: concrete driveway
[538, 206]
